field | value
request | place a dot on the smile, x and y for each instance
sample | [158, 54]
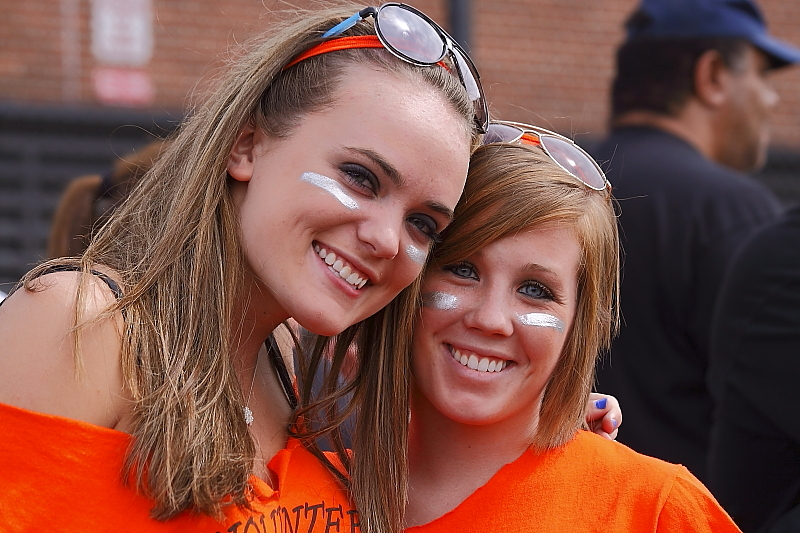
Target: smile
[341, 268]
[481, 364]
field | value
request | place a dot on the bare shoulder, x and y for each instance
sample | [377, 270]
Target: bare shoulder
[38, 364]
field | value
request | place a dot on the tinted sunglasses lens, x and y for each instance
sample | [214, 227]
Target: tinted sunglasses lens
[501, 133]
[574, 161]
[410, 35]
[469, 77]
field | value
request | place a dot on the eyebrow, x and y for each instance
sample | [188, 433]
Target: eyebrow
[554, 281]
[396, 178]
[386, 167]
[536, 267]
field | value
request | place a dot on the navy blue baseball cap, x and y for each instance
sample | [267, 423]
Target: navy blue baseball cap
[676, 19]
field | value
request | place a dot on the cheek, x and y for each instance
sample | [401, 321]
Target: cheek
[331, 187]
[417, 255]
[403, 273]
[542, 320]
[439, 300]
[545, 343]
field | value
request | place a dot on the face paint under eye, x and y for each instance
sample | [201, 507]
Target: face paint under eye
[440, 300]
[331, 186]
[542, 320]
[416, 255]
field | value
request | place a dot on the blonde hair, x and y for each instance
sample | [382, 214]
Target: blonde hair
[174, 245]
[512, 188]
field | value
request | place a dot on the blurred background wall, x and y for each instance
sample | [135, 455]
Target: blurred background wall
[83, 82]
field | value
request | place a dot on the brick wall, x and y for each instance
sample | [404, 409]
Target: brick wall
[547, 61]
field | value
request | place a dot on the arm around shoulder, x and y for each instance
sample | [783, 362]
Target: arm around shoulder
[691, 507]
[39, 370]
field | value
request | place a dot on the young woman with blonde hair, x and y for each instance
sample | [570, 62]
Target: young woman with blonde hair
[310, 184]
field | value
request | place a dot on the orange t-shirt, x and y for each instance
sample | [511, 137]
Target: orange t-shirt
[589, 484]
[58, 474]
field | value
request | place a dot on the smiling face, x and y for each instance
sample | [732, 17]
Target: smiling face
[493, 327]
[337, 218]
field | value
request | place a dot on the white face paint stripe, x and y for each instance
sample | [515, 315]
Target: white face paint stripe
[542, 320]
[439, 300]
[332, 186]
[416, 255]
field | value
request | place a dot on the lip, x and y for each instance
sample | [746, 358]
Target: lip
[349, 289]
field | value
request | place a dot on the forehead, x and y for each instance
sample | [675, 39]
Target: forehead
[405, 120]
[552, 246]
[381, 92]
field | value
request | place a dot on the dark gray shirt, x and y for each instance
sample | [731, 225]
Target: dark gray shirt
[682, 218]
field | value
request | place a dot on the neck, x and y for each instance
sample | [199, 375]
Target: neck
[257, 316]
[449, 460]
[692, 124]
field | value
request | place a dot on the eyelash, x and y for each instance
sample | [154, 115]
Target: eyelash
[429, 227]
[361, 177]
[464, 264]
[547, 294]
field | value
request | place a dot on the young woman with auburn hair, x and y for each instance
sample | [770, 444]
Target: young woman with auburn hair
[518, 300]
[135, 381]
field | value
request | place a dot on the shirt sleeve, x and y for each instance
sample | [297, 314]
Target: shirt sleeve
[691, 507]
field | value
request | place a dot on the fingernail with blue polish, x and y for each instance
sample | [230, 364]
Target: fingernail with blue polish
[614, 423]
[601, 404]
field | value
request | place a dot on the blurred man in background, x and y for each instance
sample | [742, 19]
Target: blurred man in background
[754, 456]
[691, 105]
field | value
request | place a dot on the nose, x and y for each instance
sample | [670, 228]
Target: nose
[380, 232]
[492, 314]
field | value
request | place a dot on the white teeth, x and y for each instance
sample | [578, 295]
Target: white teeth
[484, 364]
[346, 272]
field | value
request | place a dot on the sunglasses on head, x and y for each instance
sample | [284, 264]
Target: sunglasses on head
[563, 151]
[410, 35]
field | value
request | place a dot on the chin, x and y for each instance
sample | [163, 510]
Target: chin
[477, 416]
[325, 328]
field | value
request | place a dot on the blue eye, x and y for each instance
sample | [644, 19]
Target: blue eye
[534, 289]
[463, 270]
[425, 225]
[360, 177]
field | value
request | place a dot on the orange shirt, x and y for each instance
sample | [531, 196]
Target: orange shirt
[589, 484]
[58, 474]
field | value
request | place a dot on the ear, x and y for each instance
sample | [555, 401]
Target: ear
[711, 79]
[240, 159]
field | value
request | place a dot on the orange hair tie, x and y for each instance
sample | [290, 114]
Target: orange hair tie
[340, 43]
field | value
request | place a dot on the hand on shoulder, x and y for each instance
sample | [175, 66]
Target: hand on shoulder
[39, 370]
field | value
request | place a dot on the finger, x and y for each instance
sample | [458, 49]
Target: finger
[612, 418]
